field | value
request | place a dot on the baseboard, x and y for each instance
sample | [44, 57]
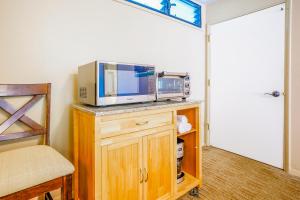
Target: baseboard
[294, 172]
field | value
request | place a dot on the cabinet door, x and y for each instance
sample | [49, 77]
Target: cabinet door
[122, 170]
[158, 165]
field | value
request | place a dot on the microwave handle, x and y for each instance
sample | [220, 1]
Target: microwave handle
[162, 74]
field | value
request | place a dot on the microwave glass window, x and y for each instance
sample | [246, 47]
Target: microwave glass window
[170, 85]
[125, 80]
[128, 82]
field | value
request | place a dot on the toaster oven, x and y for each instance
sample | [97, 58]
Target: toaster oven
[172, 85]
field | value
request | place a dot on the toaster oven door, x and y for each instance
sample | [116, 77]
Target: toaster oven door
[170, 87]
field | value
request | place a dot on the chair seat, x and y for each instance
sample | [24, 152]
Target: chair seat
[30, 166]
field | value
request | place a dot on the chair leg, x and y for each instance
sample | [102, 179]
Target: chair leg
[66, 190]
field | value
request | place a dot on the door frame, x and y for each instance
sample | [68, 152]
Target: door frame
[286, 156]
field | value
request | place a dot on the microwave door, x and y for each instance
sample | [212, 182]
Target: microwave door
[111, 82]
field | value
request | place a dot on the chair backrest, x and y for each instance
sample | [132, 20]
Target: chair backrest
[37, 91]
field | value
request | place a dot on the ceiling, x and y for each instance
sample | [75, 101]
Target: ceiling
[206, 1]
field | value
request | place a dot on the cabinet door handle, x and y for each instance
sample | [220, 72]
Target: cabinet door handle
[146, 173]
[142, 123]
[141, 176]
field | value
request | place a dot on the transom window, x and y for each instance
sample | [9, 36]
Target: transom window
[184, 10]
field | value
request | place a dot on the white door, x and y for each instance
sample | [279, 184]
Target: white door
[247, 61]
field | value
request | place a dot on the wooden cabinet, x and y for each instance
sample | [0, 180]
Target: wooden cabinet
[122, 170]
[158, 162]
[131, 169]
[132, 156]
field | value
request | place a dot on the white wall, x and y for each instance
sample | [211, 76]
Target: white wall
[222, 10]
[45, 41]
[295, 88]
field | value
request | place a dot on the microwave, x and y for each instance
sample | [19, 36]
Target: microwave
[172, 85]
[108, 83]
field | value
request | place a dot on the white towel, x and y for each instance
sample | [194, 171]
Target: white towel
[182, 119]
[183, 127]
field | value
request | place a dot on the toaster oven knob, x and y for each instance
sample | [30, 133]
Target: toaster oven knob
[187, 85]
[187, 93]
[187, 78]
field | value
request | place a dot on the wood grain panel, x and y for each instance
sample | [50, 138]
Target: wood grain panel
[38, 91]
[84, 155]
[26, 120]
[23, 89]
[127, 125]
[36, 190]
[192, 143]
[121, 170]
[158, 165]
[189, 183]
[189, 159]
[98, 170]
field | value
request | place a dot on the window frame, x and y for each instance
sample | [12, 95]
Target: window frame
[167, 12]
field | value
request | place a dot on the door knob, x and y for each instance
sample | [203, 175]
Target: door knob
[274, 94]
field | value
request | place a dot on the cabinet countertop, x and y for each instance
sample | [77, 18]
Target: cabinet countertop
[119, 109]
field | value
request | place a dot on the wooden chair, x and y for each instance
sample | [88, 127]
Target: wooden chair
[32, 171]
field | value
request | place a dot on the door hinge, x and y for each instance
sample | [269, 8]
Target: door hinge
[208, 126]
[208, 82]
[208, 38]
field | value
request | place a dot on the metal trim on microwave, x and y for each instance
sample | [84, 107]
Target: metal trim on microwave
[125, 99]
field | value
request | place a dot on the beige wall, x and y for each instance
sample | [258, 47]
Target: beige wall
[45, 41]
[295, 88]
[222, 10]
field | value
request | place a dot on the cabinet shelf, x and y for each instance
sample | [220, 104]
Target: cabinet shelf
[189, 183]
[185, 133]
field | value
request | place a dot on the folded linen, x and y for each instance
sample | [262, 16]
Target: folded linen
[183, 127]
[182, 119]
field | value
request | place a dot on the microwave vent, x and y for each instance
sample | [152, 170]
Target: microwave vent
[82, 92]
